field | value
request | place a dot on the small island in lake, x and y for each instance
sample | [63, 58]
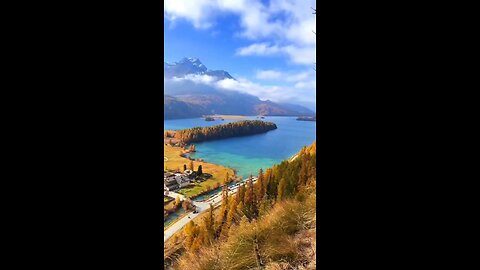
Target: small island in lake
[208, 118]
[307, 118]
[222, 117]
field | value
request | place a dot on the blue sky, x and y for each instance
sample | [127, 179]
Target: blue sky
[268, 46]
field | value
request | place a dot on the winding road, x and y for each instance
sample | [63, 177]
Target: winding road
[201, 207]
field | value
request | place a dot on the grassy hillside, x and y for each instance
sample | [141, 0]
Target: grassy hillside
[282, 239]
[269, 225]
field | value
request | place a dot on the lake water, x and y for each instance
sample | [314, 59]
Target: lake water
[250, 153]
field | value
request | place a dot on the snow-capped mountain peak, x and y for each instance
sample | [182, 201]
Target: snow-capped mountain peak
[192, 65]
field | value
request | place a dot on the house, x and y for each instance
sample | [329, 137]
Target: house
[170, 183]
[182, 180]
[170, 186]
[173, 181]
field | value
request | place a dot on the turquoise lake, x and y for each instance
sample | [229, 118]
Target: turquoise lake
[250, 153]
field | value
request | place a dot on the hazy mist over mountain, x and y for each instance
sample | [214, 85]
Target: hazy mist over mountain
[192, 90]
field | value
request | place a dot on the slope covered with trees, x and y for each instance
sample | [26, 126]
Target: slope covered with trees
[270, 224]
[234, 129]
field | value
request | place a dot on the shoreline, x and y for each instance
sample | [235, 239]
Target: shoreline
[232, 117]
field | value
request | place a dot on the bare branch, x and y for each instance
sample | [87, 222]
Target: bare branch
[314, 10]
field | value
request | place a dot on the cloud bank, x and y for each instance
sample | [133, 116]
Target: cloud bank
[286, 24]
[300, 93]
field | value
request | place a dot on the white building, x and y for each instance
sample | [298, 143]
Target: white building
[175, 181]
[182, 180]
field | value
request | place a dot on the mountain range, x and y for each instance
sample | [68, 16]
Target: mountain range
[187, 98]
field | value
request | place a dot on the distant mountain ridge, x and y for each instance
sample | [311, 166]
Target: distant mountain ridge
[189, 99]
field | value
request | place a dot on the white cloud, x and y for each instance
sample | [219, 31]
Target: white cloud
[268, 74]
[196, 78]
[259, 49]
[288, 23]
[300, 54]
[285, 94]
[306, 84]
[299, 93]
[297, 54]
[197, 12]
[293, 77]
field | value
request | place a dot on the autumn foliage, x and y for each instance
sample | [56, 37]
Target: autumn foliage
[272, 208]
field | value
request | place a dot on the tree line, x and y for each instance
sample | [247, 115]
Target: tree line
[234, 129]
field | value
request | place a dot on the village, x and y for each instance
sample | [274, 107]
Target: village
[175, 180]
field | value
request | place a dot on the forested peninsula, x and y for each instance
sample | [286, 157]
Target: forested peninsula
[234, 129]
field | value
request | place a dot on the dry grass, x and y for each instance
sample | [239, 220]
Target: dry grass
[285, 238]
[172, 249]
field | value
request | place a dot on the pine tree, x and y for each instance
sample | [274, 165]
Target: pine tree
[231, 214]
[254, 204]
[264, 207]
[191, 165]
[229, 219]
[281, 189]
[248, 200]
[240, 194]
[209, 221]
[223, 210]
[260, 185]
[199, 171]
[190, 233]
[184, 167]
[240, 209]
[303, 175]
[251, 210]
[227, 179]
